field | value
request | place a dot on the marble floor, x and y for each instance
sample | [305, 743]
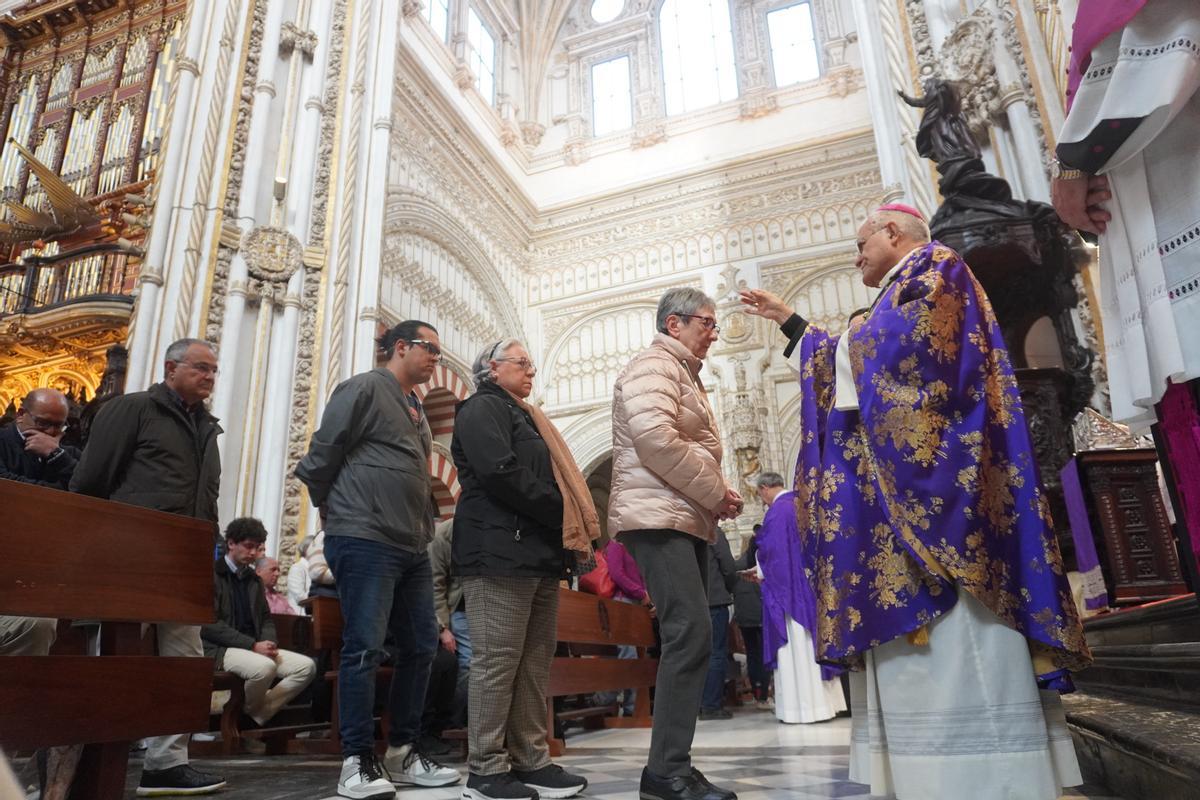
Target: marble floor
[752, 754]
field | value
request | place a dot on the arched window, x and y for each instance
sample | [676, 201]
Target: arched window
[793, 44]
[697, 54]
[437, 14]
[612, 106]
[481, 56]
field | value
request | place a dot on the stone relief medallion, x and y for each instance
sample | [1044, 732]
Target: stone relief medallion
[272, 254]
[736, 329]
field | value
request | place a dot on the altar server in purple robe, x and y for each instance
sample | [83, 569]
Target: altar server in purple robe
[926, 536]
[804, 690]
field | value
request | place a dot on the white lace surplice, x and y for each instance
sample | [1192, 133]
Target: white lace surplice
[1150, 255]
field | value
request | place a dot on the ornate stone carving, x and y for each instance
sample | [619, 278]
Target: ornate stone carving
[237, 166]
[921, 41]
[758, 103]
[532, 132]
[967, 60]
[272, 254]
[293, 37]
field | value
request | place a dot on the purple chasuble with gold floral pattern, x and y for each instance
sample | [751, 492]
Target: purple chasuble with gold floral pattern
[930, 487]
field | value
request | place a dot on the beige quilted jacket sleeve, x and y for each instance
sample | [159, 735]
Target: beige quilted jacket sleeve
[672, 440]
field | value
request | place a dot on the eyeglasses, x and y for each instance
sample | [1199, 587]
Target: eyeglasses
[427, 346]
[708, 323]
[203, 369]
[45, 425]
[863, 242]
[524, 364]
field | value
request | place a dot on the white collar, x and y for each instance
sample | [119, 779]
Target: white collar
[891, 274]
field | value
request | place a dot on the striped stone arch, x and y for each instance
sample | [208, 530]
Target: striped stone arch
[446, 489]
[439, 396]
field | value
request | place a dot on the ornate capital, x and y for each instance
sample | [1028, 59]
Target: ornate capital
[411, 8]
[532, 132]
[292, 37]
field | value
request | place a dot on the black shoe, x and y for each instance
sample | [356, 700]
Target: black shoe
[552, 781]
[431, 745]
[724, 794]
[715, 713]
[497, 787]
[181, 780]
[680, 787]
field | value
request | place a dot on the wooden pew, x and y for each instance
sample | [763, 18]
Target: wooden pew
[73, 557]
[585, 619]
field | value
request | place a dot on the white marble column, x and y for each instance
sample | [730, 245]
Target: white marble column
[886, 69]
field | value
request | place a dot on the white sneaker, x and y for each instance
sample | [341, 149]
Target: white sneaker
[408, 765]
[364, 778]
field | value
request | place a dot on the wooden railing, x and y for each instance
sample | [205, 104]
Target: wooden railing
[38, 284]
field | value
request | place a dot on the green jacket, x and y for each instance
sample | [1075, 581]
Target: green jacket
[219, 636]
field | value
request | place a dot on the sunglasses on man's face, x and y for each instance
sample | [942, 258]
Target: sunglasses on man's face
[427, 346]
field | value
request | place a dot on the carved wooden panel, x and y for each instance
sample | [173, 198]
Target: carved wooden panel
[1135, 542]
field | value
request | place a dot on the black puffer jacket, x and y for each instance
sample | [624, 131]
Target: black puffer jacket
[509, 516]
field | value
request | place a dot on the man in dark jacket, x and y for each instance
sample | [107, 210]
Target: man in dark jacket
[30, 453]
[31, 449]
[242, 640]
[158, 449]
[368, 466]
[722, 577]
[748, 613]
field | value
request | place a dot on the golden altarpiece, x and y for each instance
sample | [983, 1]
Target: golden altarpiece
[84, 87]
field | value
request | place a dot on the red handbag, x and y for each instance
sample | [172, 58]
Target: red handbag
[598, 581]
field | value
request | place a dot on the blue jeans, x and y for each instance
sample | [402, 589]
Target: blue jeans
[462, 638]
[383, 590]
[714, 683]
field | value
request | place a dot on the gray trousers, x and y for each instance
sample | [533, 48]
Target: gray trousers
[513, 625]
[674, 566]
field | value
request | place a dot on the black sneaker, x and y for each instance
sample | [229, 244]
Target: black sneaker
[552, 781]
[715, 713]
[497, 787]
[180, 780]
[680, 787]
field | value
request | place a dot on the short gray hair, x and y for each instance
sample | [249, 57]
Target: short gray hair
[768, 480]
[481, 368]
[681, 301]
[913, 228]
[178, 349]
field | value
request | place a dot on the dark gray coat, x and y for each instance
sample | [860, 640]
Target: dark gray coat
[146, 450]
[722, 576]
[219, 636]
[747, 597]
[368, 464]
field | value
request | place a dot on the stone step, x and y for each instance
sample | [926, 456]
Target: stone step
[1140, 751]
[1164, 674]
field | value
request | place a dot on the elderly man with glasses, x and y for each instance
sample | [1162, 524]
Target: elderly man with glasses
[31, 450]
[668, 491]
[30, 453]
[158, 449]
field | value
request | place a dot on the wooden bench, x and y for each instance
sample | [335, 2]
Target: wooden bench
[585, 619]
[73, 557]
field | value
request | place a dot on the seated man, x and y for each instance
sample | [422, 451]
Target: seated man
[30, 453]
[278, 602]
[242, 640]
